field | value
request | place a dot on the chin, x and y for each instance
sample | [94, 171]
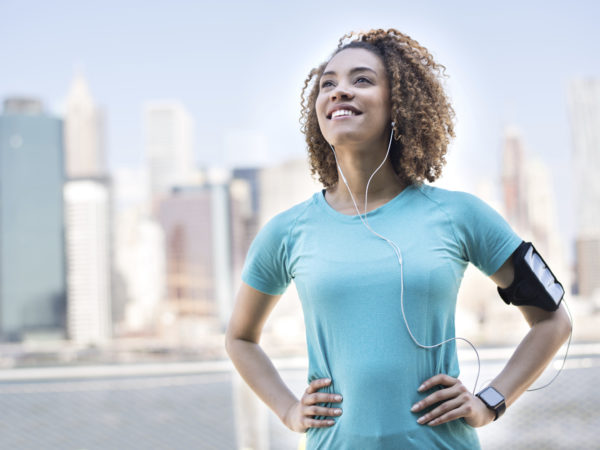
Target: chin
[349, 138]
[341, 136]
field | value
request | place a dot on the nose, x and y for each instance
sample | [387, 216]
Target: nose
[341, 92]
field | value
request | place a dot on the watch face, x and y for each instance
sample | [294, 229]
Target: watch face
[491, 396]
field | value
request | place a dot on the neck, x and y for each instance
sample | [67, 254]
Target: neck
[358, 165]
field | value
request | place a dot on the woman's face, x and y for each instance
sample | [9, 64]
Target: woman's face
[353, 105]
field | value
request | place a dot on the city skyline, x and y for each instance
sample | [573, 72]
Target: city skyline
[177, 141]
[222, 211]
[238, 68]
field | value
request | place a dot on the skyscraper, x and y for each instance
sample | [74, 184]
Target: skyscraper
[87, 211]
[88, 218]
[514, 180]
[168, 141]
[84, 134]
[187, 220]
[584, 114]
[529, 200]
[139, 255]
[284, 185]
[32, 258]
[244, 190]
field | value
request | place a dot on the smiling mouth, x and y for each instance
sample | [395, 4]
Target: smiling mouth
[343, 113]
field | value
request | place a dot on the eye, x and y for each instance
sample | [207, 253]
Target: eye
[363, 80]
[326, 84]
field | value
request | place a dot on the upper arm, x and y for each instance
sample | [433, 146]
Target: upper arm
[504, 276]
[251, 310]
[265, 276]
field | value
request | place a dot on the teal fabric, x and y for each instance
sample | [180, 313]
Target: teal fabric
[348, 281]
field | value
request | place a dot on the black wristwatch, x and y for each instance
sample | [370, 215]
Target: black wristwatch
[494, 400]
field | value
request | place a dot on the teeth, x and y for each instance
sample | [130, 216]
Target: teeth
[342, 112]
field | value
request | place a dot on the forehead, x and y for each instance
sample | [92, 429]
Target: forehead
[354, 57]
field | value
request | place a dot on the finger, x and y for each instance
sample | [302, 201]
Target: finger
[436, 380]
[439, 396]
[440, 410]
[457, 413]
[321, 397]
[321, 411]
[317, 384]
[314, 423]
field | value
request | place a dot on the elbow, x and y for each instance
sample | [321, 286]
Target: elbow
[231, 339]
[566, 327]
[563, 324]
[557, 323]
[228, 341]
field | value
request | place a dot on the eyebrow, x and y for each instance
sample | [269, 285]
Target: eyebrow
[354, 70]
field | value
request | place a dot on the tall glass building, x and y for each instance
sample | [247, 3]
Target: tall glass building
[584, 114]
[32, 257]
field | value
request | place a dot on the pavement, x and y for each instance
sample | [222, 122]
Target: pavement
[193, 408]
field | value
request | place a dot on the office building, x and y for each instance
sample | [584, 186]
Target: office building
[284, 185]
[87, 213]
[168, 143]
[530, 202]
[191, 264]
[32, 257]
[88, 218]
[139, 255]
[244, 190]
[83, 133]
[584, 115]
[514, 181]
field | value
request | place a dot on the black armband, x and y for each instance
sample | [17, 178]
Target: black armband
[534, 283]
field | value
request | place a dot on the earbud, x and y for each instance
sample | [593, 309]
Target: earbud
[393, 124]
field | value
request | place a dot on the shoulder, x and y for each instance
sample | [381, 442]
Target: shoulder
[267, 266]
[446, 196]
[466, 212]
[458, 204]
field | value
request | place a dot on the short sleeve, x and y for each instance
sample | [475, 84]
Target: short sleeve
[266, 265]
[486, 239]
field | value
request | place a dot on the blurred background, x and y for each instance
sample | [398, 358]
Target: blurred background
[142, 146]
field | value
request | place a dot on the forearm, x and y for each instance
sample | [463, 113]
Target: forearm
[258, 371]
[532, 356]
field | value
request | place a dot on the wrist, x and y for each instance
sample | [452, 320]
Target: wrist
[287, 414]
[493, 400]
[488, 414]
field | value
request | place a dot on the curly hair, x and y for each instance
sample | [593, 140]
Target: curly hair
[420, 108]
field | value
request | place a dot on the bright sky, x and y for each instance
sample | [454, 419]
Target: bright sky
[239, 67]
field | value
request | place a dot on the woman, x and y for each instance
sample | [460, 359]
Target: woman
[377, 261]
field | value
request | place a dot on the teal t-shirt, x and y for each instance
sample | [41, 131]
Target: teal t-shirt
[348, 281]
